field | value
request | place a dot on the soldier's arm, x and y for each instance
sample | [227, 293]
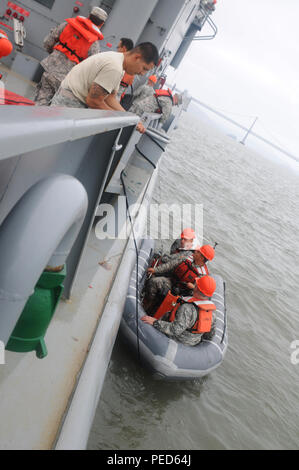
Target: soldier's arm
[166, 110]
[185, 318]
[139, 91]
[53, 37]
[170, 265]
[112, 101]
[136, 109]
[99, 98]
[96, 98]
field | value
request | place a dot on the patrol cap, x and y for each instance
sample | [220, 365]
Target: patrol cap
[99, 13]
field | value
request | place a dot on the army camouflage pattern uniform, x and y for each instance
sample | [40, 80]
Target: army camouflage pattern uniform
[56, 66]
[64, 97]
[186, 317]
[150, 105]
[162, 284]
[175, 252]
[142, 92]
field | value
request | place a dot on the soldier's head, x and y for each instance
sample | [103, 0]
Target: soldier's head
[125, 45]
[98, 16]
[187, 237]
[205, 287]
[202, 254]
[141, 59]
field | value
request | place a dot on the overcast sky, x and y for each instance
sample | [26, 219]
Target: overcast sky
[251, 67]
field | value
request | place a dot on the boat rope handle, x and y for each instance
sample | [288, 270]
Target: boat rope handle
[144, 156]
[224, 328]
[154, 140]
[137, 262]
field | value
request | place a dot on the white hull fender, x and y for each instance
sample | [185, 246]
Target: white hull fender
[166, 358]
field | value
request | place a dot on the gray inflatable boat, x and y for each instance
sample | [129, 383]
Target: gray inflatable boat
[166, 358]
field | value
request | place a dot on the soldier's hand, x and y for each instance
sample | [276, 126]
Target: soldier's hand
[190, 285]
[149, 320]
[151, 270]
[140, 127]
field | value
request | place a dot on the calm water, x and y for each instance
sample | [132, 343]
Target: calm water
[251, 400]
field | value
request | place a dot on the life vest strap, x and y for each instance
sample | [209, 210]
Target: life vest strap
[71, 51]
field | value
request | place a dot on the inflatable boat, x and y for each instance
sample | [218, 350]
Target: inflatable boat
[165, 357]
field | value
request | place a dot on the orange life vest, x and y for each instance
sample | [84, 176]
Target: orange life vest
[77, 37]
[6, 46]
[126, 81]
[204, 320]
[187, 272]
[205, 309]
[159, 93]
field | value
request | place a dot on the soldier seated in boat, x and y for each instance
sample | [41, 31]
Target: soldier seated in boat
[161, 102]
[192, 318]
[181, 248]
[187, 241]
[177, 275]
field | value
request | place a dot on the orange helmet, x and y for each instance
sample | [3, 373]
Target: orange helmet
[207, 251]
[6, 46]
[188, 233]
[153, 78]
[206, 285]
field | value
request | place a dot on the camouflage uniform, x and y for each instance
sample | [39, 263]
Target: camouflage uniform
[56, 66]
[64, 97]
[186, 317]
[175, 246]
[162, 284]
[150, 105]
[142, 92]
